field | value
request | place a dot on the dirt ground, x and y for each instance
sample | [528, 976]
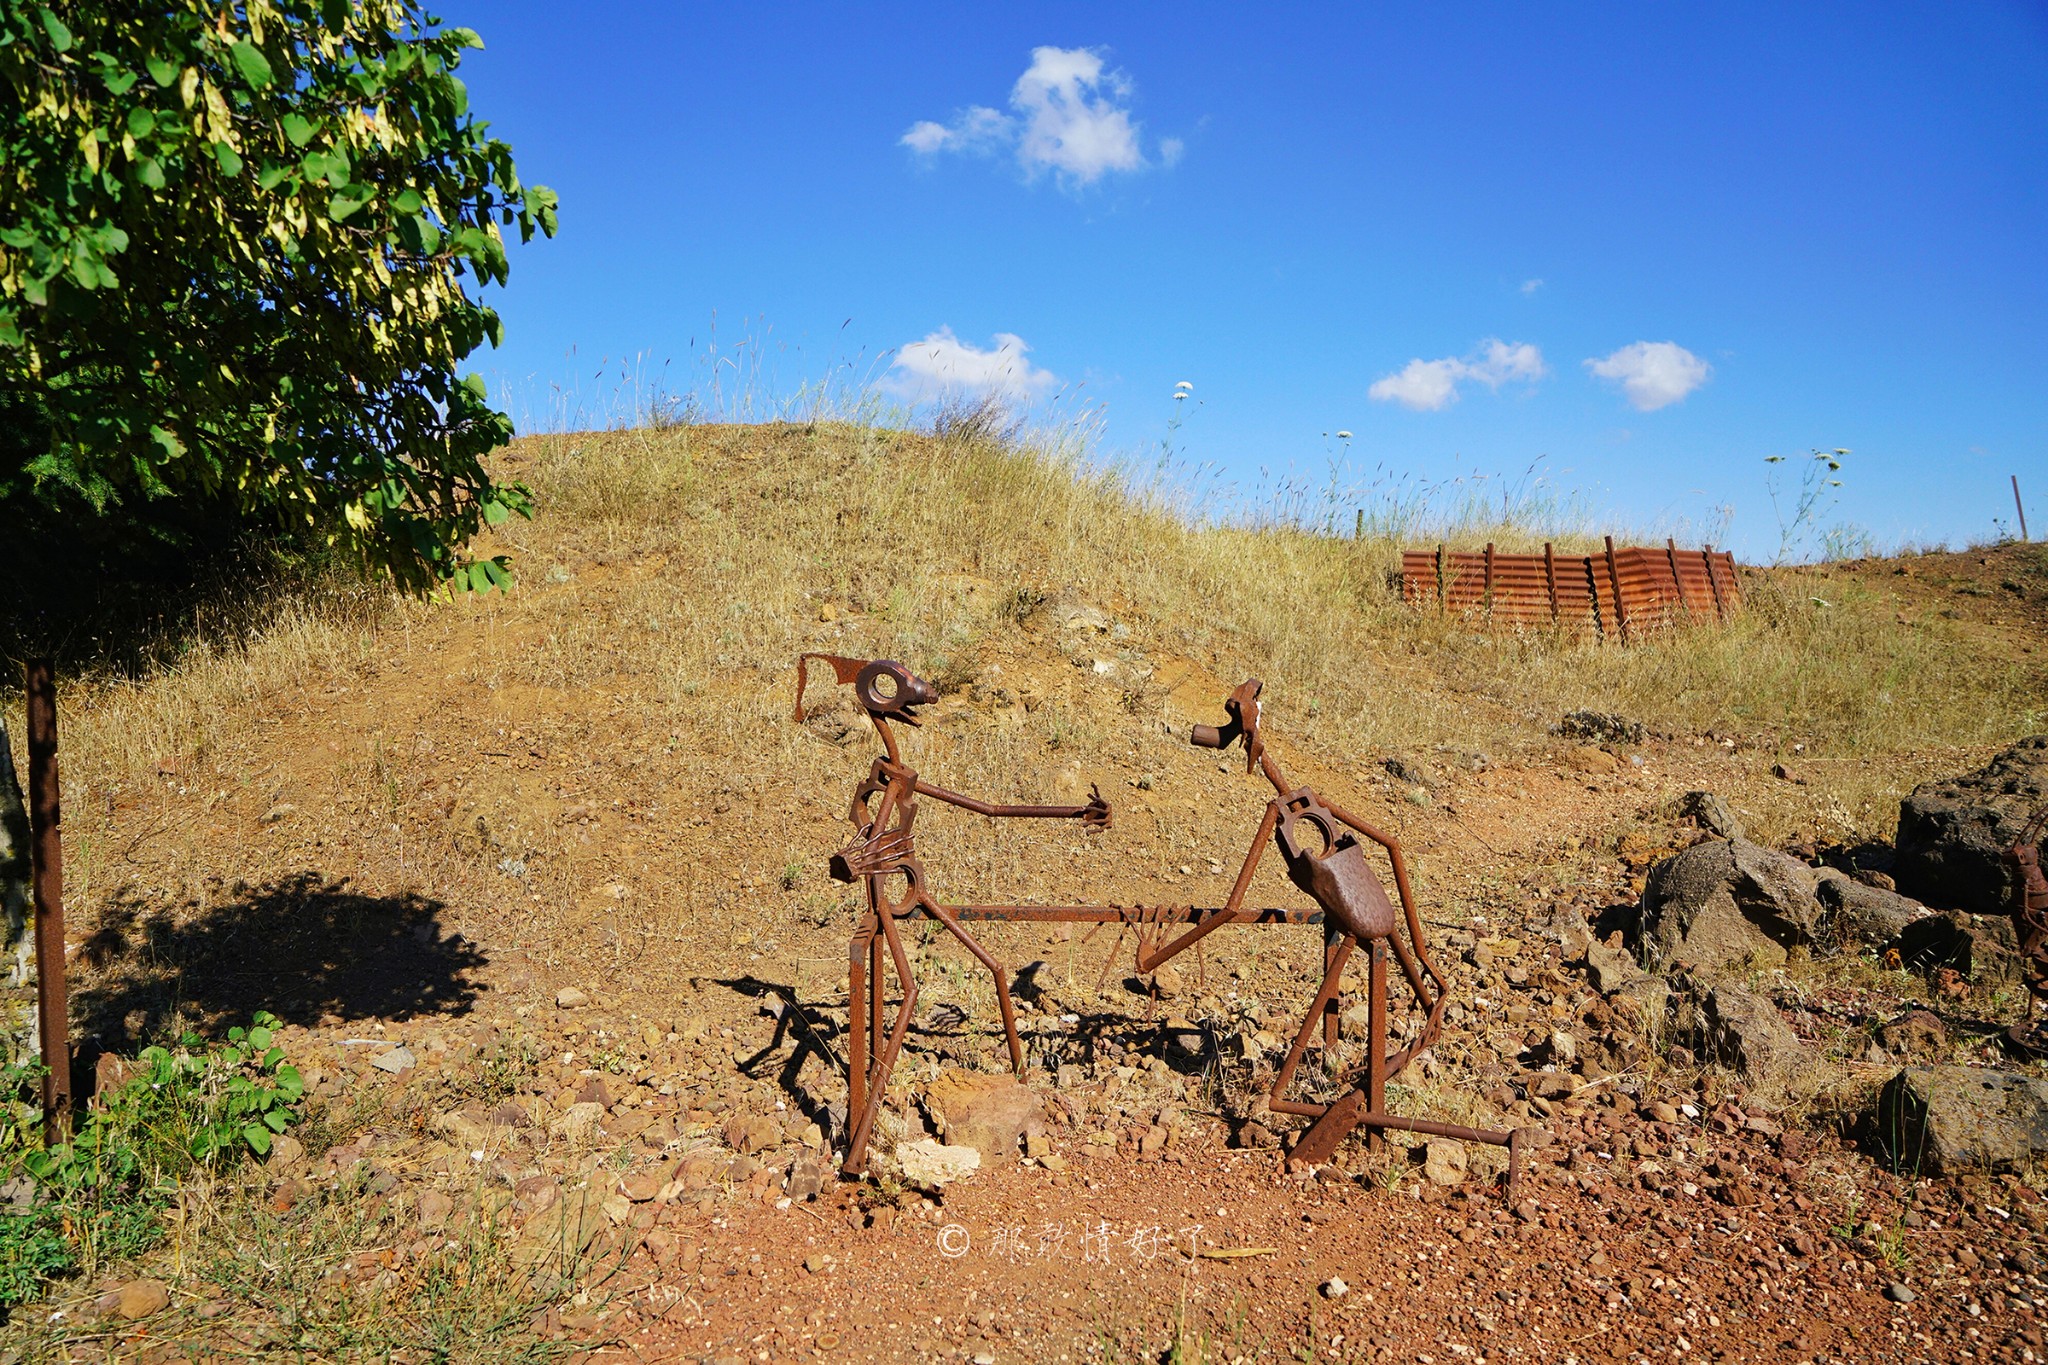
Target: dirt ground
[592, 907]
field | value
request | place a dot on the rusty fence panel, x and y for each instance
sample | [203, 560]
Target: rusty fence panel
[1615, 592]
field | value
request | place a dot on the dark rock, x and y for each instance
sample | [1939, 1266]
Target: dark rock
[1953, 835]
[1862, 914]
[1983, 948]
[1940, 1120]
[1711, 814]
[1725, 904]
[1915, 1036]
[1745, 1032]
[1406, 771]
[1600, 727]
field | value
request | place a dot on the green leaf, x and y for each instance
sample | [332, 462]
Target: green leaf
[60, 36]
[495, 513]
[337, 13]
[254, 66]
[276, 1120]
[172, 446]
[479, 577]
[349, 201]
[141, 122]
[259, 1037]
[162, 70]
[299, 129]
[150, 173]
[271, 176]
[258, 1137]
[407, 200]
[230, 160]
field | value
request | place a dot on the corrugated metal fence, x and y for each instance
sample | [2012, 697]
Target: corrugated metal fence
[1617, 592]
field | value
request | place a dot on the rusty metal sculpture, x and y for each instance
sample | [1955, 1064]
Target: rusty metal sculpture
[1319, 843]
[2030, 923]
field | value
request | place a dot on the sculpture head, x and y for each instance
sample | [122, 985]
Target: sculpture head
[885, 689]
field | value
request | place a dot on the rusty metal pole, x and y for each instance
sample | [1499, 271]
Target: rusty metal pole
[46, 841]
[1614, 578]
[2019, 507]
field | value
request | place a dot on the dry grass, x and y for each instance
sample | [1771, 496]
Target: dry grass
[936, 546]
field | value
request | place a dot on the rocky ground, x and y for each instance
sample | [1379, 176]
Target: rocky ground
[564, 972]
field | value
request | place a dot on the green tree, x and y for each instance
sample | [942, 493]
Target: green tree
[241, 247]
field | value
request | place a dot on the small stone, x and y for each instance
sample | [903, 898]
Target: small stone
[817, 1263]
[1898, 1293]
[570, 998]
[398, 1059]
[282, 810]
[642, 1185]
[434, 1209]
[579, 1122]
[140, 1298]
[806, 1179]
[286, 1150]
[1528, 1211]
[746, 1133]
[1585, 758]
[618, 1208]
[1053, 1161]
[1444, 1162]
[1335, 1288]
[929, 1163]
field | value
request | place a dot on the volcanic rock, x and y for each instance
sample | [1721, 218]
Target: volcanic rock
[1938, 1120]
[1724, 904]
[1953, 834]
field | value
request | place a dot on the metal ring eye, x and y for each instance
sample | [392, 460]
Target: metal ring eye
[869, 686]
[1326, 834]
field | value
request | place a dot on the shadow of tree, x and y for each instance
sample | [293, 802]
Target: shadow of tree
[306, 948]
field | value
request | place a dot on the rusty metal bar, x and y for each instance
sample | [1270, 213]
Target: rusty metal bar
[1714, 584]
[1614, 579]
[1677, 578]
[1441, 588]
[46, 839]
[2020, 508]
[1550, 578]
[1114, 914]
[1489, 580]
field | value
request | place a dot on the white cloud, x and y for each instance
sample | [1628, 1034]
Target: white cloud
[1528, 286]
[942, 365]
[1432, 385]
[975, 130]
[1653, 374]
[1067, 115]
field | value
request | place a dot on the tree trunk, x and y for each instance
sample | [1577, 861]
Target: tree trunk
[18, 1040]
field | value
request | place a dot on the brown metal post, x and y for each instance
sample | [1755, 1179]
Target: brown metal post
[1713, 583]
[2019, 506]
[1440, 589]
[1614, 578]
[856, 1032]
[46, 838]
[1489, 580]
[1677, 578]
[1550, 578]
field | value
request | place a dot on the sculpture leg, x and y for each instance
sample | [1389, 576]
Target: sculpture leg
[885, 1056]
[1331, 974]
[1002, 979]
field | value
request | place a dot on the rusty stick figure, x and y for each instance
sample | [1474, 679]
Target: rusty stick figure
[1320, 843]
[882, 855]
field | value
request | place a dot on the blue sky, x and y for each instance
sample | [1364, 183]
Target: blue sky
[1648, 246]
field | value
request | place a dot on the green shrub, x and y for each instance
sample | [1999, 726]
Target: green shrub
[99, 1197]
